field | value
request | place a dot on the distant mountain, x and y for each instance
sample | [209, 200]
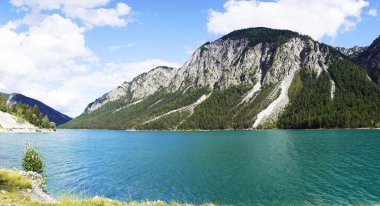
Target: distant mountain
[5, 96]
[57, 117]
[370, 59]
[250, 78]
[353, 52]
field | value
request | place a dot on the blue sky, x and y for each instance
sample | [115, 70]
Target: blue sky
[67, 53]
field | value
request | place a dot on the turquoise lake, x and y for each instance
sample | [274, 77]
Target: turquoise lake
[271, 167]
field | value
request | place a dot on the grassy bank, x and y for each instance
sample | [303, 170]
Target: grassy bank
[16, 190]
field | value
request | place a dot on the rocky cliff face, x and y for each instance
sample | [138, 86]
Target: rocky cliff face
[262, 61]
[352, 52]
[140, 87]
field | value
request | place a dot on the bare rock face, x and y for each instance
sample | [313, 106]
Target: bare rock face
[227, 62]
[352, 52]
[140, 87]
[37, 193]
[151, 82]
[113, 95]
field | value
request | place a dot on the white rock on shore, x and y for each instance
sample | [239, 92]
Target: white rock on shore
[9, 123]
[37, 193]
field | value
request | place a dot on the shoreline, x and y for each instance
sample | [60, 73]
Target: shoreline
[25, 130]
[27, 188]
[218, 130]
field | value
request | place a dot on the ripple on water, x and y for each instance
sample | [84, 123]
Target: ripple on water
[234, 167]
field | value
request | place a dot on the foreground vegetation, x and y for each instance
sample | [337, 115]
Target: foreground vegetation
[24, 112]
[11, 186]
[32, 160]
[14, 191]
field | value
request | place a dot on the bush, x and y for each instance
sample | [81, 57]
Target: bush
[32, 160]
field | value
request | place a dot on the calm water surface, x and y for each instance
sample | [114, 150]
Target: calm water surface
[233, 167]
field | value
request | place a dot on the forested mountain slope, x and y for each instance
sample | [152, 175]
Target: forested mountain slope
[55, 116]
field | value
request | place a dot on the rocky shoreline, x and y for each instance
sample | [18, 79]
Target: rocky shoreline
[37, 192]
[25, 130]
[10, 123]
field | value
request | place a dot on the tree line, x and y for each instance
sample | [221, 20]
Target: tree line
[32, 115]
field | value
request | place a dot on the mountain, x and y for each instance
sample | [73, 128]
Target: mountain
[57, 117]
[370, 59]
[353, 52]
[250, 78]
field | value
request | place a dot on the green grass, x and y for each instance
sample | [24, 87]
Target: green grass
[20, 120]
[12, 180]
[11, 184]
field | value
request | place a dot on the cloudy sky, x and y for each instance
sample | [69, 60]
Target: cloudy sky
[66, 53]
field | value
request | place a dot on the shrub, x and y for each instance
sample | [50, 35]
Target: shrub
[32, 160]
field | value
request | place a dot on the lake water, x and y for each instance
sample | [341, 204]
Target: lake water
[279, 167]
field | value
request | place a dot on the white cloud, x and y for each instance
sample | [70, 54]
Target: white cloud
[122, 46]
[45, 51]
[91, 12]
[372, 12]
[50, 62]
[44, 54]
[101, 16]
[74, 93]
[56, 4]
[315, 18]
[36, 61]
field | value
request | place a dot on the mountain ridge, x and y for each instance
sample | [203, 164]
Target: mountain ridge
[370, 59]
[55, 116]
[239, 81]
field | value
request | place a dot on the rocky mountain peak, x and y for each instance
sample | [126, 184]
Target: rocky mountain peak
[257, 58]
[352, 52]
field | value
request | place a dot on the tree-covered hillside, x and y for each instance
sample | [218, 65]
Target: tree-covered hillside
[356, 103]
[263, 35]
[24, 112]
[55, 116]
